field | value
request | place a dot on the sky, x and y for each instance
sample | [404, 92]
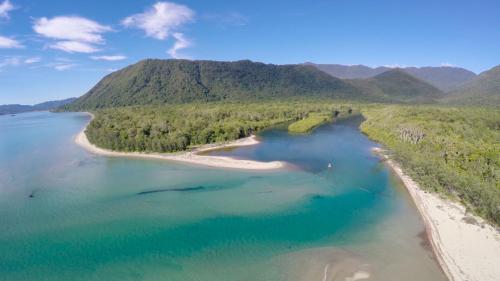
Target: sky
[58, 49]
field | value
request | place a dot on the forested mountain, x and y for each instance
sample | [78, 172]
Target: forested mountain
[482, 90]
[349, 71]
[19, 108]
[179, 81]
[398, 86]
[443, 77]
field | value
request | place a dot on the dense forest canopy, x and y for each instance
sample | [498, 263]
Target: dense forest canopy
[455, 151]
[171, 128]
[153, 82]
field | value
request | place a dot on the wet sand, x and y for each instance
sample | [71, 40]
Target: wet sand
[467, 247]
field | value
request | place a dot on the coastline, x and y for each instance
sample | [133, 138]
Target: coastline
[190, 157]
[467, 247]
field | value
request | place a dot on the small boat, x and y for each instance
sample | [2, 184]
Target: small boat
[329, 165]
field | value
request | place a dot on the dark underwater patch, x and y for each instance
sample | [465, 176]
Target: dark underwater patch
[183, 189]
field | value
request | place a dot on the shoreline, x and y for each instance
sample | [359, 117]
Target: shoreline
[466, 246]
[190, 157]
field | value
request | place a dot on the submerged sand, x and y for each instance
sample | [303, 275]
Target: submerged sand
[191, 157]
[467, 247]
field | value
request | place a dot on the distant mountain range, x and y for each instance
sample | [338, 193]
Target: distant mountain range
[444, 78]
[19, 108]
[396, 85]
[482, 90]
[152, 81]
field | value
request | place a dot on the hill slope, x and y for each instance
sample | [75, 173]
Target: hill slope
[444, 78]
[180, 81]
[19, 108]
[398, 86]
[484, 89]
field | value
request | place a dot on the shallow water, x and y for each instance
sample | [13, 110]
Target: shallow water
[69, 215]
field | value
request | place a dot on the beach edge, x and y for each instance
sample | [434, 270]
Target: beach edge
[188, 157]
[464, 251]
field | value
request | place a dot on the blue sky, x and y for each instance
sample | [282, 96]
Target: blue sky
[57, 49]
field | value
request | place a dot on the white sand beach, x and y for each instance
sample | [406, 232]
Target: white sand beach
[191, 157]
[467, 247]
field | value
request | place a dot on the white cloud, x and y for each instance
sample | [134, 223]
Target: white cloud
[74, 47]
[77, 34]
[180, 43]
[109, 58]
[71, 28]
[395, 65]
[32, 60]
[160, 20]
[63, 66]
[5, 8]
[8, 43]
[60, 66]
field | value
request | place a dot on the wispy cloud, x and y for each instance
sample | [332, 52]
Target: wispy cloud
[109, 58]
[18, 61]
[5, 8]
[74, 47]
[32, 60]
[10, 61]
[9, 43]
[76, 34]
[60, 66]
[159, 20]
[180, 43]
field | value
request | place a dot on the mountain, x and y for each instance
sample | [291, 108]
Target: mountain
[482, 90]
[397, 85]
[445, 78]
[349, 71]
[19, 108]
[155, 81]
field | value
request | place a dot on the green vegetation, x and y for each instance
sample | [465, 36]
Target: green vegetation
[171, 128]
[454, 151]
[482, 90]
[308, 123]
[155, 82]
[398, 86]
[171, 105]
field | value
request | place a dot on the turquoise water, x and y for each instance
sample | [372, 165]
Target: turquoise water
[66, 214]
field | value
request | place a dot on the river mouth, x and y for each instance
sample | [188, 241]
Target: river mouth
[100, 218]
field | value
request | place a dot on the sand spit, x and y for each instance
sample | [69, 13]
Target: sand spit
[191, 157]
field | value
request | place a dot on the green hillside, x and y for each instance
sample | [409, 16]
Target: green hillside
[397, 86]
[483, 90]
[152, 82]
